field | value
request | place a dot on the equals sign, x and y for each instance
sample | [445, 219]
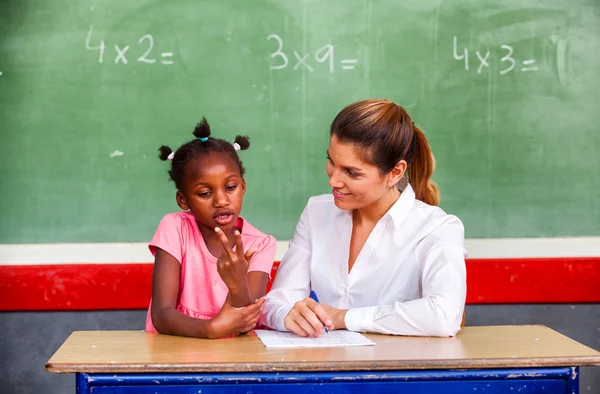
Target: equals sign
[529, 62]
[348, 64]
[166, 55]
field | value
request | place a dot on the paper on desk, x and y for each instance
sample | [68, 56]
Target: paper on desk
[276, 339]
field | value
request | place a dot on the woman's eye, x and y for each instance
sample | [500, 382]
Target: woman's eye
[352, 174]
[328, 158]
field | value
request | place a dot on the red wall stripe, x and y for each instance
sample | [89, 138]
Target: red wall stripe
[540, 280]
[128, 286]
[75, 287]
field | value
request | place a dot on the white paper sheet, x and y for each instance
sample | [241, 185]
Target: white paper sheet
[276, 339]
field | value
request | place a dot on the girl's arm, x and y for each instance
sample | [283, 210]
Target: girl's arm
[253, 289]
[260, 267]
[257, 284]
[168, 320]
[245, 287]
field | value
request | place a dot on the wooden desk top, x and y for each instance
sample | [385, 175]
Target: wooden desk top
[472, 348]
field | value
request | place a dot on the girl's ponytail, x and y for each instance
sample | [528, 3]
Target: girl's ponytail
[165, 153]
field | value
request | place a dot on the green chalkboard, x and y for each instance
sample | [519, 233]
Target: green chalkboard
[507, 92]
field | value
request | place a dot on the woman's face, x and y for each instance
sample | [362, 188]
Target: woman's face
[355, 183]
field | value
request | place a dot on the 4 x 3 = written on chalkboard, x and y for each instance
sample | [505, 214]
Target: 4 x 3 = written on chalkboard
[507, 62]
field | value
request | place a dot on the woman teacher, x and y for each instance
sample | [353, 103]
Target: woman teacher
[378, 252]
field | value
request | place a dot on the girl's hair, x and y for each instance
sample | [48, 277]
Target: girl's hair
[383, 134]
[202, 145]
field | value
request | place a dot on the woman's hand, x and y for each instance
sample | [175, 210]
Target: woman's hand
[308, 318]
[234, 321]
[337, 316]
[233, 266]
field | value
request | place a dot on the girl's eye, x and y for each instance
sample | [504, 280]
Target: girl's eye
[231, 188]
[204, 194]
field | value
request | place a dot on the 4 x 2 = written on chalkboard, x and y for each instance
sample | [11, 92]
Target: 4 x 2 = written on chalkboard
[145, 46]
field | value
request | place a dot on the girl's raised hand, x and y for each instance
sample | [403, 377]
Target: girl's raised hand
[233, 266]
[234, 321]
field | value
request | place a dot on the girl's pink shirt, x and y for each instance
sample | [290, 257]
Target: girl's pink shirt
[202, 292]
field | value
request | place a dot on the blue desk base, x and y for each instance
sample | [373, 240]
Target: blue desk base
[490, 381]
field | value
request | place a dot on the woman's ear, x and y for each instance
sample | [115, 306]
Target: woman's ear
[181, 201]
[396, 174]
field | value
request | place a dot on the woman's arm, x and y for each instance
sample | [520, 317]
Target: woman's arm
[291, 288]
[168, 320]
[443, 280]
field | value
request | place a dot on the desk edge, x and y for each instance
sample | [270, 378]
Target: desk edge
[325, 366]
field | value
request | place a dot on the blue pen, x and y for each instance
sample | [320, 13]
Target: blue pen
[313, 295]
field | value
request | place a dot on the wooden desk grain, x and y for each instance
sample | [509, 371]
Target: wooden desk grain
[472, 348]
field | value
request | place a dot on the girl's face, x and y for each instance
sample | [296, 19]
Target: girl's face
[355, 183]
[213, 191]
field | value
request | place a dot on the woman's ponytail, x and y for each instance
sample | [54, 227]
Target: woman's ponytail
[421, 168]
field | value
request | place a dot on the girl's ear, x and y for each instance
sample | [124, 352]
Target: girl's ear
[243, 186]
[181, 201]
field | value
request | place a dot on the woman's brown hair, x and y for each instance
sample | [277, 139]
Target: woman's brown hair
[383, 134]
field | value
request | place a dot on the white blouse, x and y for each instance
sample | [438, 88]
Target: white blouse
[409, 278]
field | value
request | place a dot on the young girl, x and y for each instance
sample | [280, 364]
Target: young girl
[211, 266]
[378, 252]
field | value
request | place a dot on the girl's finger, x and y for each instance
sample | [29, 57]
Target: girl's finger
[252, 309]
[252, 322]
[250, 253]
[239, 245]
[261, 301]
[254, 316]
[225, 244]
[248, 328]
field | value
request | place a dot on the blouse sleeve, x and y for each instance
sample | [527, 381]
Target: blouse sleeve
[292, 282]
